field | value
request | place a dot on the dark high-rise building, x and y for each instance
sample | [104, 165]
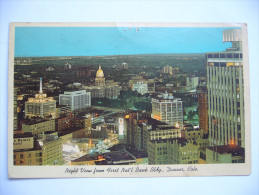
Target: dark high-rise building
[203, 110]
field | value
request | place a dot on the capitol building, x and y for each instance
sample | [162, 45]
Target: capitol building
[101, 89]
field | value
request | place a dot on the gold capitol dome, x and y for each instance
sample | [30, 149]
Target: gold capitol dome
[99, 73]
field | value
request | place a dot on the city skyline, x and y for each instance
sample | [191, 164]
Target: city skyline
[155, 109]
[100, 41]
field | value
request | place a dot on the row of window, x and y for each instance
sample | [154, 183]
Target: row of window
[28, 156]
[225, 55]
[29, 162]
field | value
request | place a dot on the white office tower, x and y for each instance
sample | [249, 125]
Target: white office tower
[41, 105]
[75, 99]
[192, 82]
[140, 87]
[168, 109]
[226, 92]
[121, 129]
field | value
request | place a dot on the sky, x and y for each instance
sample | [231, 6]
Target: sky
[94, 41]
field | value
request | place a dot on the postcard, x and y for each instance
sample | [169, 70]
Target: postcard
[128, 100]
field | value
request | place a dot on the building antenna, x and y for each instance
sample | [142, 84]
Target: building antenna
[40, 85]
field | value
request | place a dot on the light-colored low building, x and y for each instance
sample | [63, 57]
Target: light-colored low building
[172, 151]
[156, 130]
[28, 155]
[184, 152]
[106, 91]
[191, 134]
[37, 127]
[20, 143]
[158, 152]
[140, 87]
[222, 154]
[51, 149]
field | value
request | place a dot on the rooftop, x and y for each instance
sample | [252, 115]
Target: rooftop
[228, 149]
[161, 99]
[35, 120]
[118, 147]
[62, 106]
[155, 123]
[167, 128]
[87, 157]
[179, 140]
[117, 157]
[191, 129]
[22, 135]
[138, 154]
[36, 146]
[68, 131]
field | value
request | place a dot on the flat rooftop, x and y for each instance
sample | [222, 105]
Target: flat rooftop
[155, 122]
[34, 121]
[68, 131]
[23, 135]
[138, 154]
[179, 140]
[167, 128]
[228, 149]
[116, 156]
[87, 157]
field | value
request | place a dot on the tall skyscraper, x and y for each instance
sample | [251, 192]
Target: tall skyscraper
[226, 92]
[168, 109]
[41, 105]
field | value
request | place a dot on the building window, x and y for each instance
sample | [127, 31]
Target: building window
[222, 55]
[229, 55]
[216, 64]
[21, 156]
[216, 55]
[223, 64]
[38, 154]
[236, 55]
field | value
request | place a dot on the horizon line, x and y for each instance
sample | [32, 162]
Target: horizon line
[108, 55]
